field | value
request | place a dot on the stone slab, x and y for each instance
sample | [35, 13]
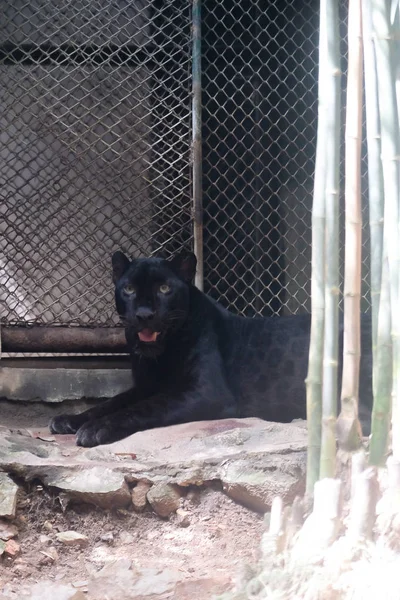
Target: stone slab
[254, 459]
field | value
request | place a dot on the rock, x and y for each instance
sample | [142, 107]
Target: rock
[101, 486]
[205, 588]
[49, 590]
[72, 538]
[12, 548]
[120, 581]
[139, 495]
[49, 556]
[45, 540]
[255, 484]
[22, 568]
[114, 580]
[7, 531]
[50, 553]
[164, 498]
[47, 525]
[254, 460]
[125, 537]
[81, 585]
[8, 496]
[182, 518]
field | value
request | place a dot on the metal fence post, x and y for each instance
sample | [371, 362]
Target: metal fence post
[196, 142]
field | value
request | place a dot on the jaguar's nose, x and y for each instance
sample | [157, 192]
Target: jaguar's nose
[144, 313]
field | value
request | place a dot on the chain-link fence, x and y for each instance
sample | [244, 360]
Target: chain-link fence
[95, 148]
[260, 72]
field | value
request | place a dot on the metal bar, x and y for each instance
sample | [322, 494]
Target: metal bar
[63, 339]
[196, 142]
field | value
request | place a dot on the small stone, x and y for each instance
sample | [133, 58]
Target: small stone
[81, 585]
[47, 525]
[182, 518]
[126, 538]
[8, 496]
[107, 537]
[12, 548]
[120, 580]
[52, 552]
[48, 590]
[139, 495]
[45, 540]
[22, 569]
[7, 531]
[164, 498]
[22, 519]
[50, 555]
[72, 538]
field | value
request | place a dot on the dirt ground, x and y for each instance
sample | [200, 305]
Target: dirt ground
[212, 545]
[218, 536]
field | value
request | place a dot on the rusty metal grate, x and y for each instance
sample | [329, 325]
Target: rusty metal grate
[95, 148]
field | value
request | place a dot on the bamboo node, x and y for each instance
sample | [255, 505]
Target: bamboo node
[334, 363]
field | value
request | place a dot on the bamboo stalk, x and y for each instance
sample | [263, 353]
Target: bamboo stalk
[391, 183]
[314, 375]
[331, 341]
[322, 527]
[395, 21]
[381, 322]
[395, 43]
[357, 467]
[273, 541]
[393, 468]
[380, 426]
[348, 426]
[363, 506]
[375, 176]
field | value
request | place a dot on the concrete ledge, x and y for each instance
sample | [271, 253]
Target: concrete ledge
[68, 382]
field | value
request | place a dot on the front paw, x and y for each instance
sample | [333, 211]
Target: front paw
[66, 423]
[97, 432]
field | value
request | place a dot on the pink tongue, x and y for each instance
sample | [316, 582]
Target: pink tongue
[147, 336]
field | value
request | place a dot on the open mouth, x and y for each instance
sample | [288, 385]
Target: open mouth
[148, 336]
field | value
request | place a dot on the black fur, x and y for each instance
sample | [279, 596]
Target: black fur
[205, 363]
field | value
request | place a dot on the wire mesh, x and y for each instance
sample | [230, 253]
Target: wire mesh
[96, 155]
[94, 146]
[260, 103]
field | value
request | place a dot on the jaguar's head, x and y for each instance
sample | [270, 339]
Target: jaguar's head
[152, 298]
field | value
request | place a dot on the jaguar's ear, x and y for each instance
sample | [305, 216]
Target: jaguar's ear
[120, 263]
[184, 264]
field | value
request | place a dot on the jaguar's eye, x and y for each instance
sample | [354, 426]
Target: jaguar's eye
[129, 289]
[164, 288]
